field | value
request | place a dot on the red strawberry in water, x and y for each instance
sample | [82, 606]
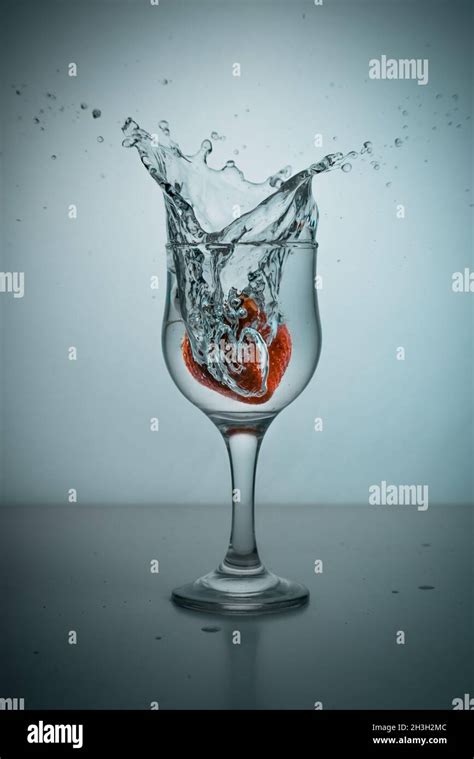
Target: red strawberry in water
[250, 378]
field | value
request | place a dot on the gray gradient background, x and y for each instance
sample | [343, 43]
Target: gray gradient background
[85, 424]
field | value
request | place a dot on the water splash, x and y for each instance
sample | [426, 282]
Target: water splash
[229, 239]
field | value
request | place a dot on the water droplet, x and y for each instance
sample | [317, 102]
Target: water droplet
[458, 126]
[398, 142]
[53, 157]
[395, 591]
[164, 126]
[83, 106]
[388, 184]
[100, 139]
[236, 152]
[96, 113]
[36, 120]
[405, 126]
[346, 167]
[439, 96]
[375, 165]
[366, 147]
[404, 113]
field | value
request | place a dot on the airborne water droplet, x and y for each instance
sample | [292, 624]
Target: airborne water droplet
[164, 126]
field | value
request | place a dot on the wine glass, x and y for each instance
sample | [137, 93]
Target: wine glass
[243, 400]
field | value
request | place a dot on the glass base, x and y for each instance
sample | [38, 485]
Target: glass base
[233, 592]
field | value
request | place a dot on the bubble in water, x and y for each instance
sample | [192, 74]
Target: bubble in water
[214, 135]
[100, 139]
[366, 147]
[53, 157]
[276, 182]
[398, 142]
[96, 113]
[375, 165]
[388, 184]
[346, 167]
[83, 106]
[404, 113]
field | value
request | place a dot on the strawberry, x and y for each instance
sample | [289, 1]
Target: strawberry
[250, 379]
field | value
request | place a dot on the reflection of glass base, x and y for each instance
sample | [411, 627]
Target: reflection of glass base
[247, 592]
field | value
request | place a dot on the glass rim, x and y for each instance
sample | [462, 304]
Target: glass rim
[261, 243]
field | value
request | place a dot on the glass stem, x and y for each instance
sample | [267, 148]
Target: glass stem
[243, 446]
